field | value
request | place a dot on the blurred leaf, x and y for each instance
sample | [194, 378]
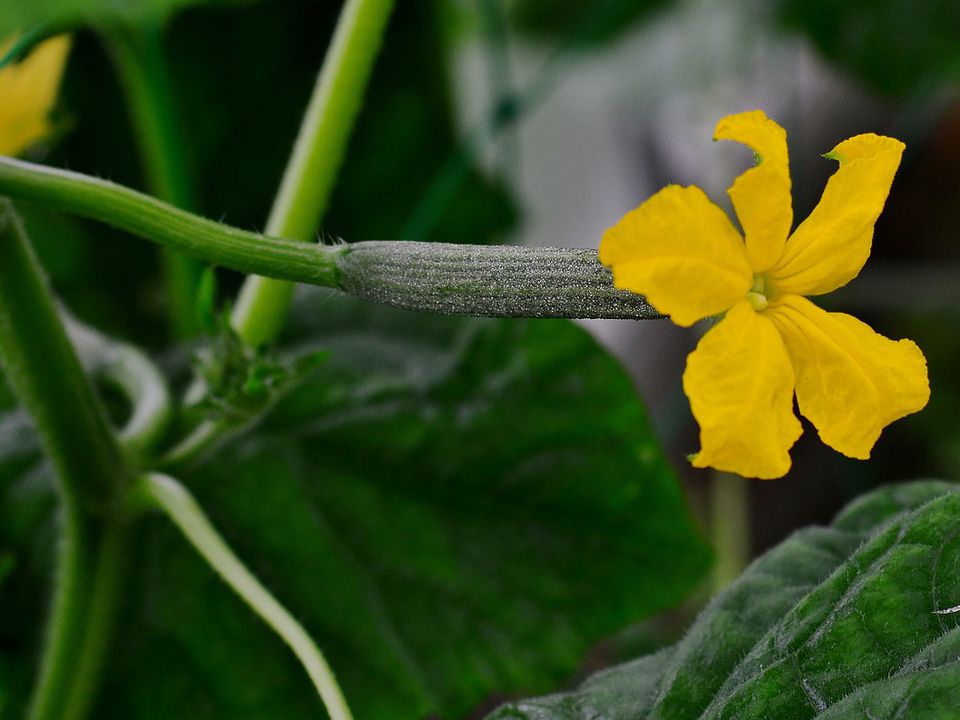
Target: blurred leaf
[124, 299]
[240, 122]
[933, 436]
[895, 46]
[205, 308]
[27, 521]
[453, 507]
[580, 22]
[835, 622]
[17, 17]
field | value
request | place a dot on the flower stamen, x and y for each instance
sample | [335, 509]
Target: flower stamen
[757, 296]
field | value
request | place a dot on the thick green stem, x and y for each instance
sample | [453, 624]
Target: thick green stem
[168, 495]
[44, 371]
[82, 623]
[317, 155]
[143, 69]
[66, 626]
[498, 281]
[88, 577]
[147, 217]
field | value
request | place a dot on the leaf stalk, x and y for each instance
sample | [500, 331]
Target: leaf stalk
[175, 501]
[321, 145]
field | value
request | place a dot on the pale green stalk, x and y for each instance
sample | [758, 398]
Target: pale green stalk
[729, 527]
[131, 371]
[261, 307]
[171, 497]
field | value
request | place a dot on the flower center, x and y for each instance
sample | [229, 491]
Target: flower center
[757, 295]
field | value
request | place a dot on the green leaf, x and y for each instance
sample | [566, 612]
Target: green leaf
[837, 622]
[581, 22]
[894, 47]
[454, 508]
[17, 17]
[240, 382]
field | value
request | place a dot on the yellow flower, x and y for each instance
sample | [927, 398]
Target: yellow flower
[28, 91]
[683, 253]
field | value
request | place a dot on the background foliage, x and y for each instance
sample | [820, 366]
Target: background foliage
[459, 510]
[454, 508]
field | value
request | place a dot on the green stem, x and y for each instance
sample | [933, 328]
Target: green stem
[89, 574]
[132, 372]
[44, 371]
[729, 527]
[317, 155]
[203, 440]
[147, 217]
[500, 281]
[143, 70]
[67, 620]
[171, 497]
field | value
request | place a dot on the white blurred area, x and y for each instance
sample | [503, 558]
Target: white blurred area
[617, 124]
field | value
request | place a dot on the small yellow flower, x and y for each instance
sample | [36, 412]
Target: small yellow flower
[28, 90]
[682, 252]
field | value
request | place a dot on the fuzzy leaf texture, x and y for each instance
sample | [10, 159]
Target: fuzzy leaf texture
[835, 622]
[454, 508]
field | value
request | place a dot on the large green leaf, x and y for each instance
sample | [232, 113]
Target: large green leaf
[898, 47]
[454, 508]
[836, 622]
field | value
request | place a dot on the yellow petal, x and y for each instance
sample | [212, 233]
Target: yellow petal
[740, 384]
[830, 247]
[28, 91]
[851, 381]
[761, 195]
[681, 252]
